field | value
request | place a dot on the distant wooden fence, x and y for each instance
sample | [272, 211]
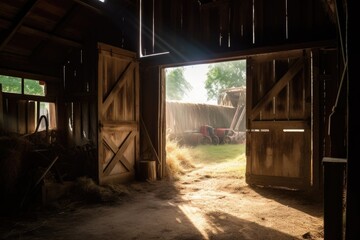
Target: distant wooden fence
[181, 117]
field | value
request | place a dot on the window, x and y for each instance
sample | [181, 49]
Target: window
[33, 107]
[34, 87]
[22, 86]
[10, 84]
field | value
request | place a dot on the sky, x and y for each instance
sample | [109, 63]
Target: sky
[196, 76]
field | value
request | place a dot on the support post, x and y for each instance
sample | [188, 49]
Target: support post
[334, 197]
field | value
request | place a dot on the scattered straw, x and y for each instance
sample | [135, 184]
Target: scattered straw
[92, 192]
[178, 159]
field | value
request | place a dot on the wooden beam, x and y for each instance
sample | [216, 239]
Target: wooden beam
[277, 88]
[119, 154]
[89, 6]
[292, 124]
[36, 32]
[110, 144]
[242, 115]
[21, 63]
[16, 73]
[206, 57]
[149, 141]
[53, 37]
[111, 125]
[18, 22]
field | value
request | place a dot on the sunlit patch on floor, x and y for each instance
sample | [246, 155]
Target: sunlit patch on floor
[201, 222]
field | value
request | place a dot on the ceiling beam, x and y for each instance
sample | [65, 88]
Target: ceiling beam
[90, 6]
[18, 22]
[21, 63]
[35, 32]
[65, 19]
[18, 73]
[53, 37]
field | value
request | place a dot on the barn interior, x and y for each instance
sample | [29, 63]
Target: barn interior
[101, 67]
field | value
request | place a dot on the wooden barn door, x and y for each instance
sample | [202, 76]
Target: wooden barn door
[279, 120]
[118, 114]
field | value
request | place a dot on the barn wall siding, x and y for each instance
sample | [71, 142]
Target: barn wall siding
[187, 28]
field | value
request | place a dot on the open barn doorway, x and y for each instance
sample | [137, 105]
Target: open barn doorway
[205, 116]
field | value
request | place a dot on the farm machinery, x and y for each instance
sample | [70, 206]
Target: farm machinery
[205, 135]
[209, 135]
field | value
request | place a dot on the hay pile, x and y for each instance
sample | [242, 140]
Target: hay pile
[86, 190]
[178, 159]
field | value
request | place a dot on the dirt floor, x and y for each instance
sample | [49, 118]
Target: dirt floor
[207, 202]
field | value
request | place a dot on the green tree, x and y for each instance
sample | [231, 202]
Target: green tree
[176, 84]
[225, 75]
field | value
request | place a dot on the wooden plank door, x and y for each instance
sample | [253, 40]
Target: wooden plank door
[278, 110]
[118, 114]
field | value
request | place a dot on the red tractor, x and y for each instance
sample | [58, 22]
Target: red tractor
[205, 135]
[209, 135]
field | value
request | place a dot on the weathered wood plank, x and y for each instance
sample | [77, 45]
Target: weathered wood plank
[11, 115]
[282, 99]
[270, 21]
[241, 24]
[21, 117]
[277, 88]
[266, 77]
[291, 124]
[112, 125]
[77, 123]
[31, 113]
[118, 85]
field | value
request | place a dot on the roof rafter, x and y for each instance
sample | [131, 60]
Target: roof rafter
[89, 6]
[18, 22]
[66, 18]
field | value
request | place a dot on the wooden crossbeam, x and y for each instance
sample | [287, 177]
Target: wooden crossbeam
[275, 90]
[120, 82]
[119, 153]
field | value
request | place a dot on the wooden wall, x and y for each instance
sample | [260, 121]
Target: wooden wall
[79, 99]
[186, 28]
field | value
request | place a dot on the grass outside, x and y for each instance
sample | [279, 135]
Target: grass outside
[213, 154]
[225, 158]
